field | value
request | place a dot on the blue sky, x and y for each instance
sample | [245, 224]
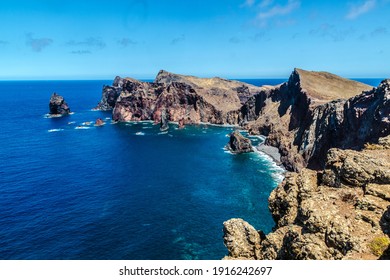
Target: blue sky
[234, 39]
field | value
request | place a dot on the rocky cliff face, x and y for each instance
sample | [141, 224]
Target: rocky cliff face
[110, 94]
[302, 119]
[58, 105]
[341, 212]
[185, 99]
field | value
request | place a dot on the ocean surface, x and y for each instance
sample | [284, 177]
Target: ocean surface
[70, 190]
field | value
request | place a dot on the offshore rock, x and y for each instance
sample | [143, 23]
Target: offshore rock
[110, 94]
[336, 213]
[164, 120]
[239, 144]
[99, 122]
[241, 240]
[58, 105]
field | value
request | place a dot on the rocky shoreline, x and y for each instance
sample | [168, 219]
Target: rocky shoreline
[330, 133]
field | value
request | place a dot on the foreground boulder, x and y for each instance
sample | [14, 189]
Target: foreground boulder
[58, 106]
[239, 144]
[241, 239]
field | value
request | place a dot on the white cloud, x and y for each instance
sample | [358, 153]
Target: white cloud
[277, 10]
[358, 10]
[265, 3]
[248, 3]
[37, 44]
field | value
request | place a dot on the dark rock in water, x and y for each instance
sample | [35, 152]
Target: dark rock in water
[99, 122]
[164, 120]
[181, 123]
[58, 106]
[239, 144]
[110, 94]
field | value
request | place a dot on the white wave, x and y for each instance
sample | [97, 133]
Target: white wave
[277, 172]
[140, 133]
[260, 137]
[82, 127]
[51, 116]
[227, 151]
[219, 125]
[55, 130]
[71, 122]
[163, 132]
[108, 118]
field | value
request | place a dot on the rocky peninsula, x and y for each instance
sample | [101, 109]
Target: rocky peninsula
[332, 135]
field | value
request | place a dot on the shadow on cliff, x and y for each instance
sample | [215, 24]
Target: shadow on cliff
[385, 225]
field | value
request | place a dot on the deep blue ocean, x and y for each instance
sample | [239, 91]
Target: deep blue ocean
[120, 191]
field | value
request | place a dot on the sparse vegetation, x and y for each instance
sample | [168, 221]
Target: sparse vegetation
[379, 244]
[349, 198]
[369, 146]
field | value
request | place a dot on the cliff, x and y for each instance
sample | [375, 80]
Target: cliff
[306, 116]
[187, 99]
[110, 95]
[340, 212]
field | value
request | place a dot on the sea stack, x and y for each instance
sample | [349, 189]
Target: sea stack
[239, 144]
[164, 120]
[58, 105]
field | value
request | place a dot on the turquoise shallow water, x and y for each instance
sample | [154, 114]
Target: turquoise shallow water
[121, 191]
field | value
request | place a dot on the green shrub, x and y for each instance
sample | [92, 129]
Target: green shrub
[379, 244]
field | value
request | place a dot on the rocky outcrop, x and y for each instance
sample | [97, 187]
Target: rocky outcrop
[239, 144]
[241, 239]
[110, 94]
[58, 105]
[341, 212]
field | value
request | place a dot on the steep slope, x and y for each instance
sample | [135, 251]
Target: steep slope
[300, 118]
